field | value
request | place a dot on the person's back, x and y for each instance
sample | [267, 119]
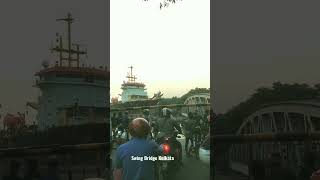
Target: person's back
[148, 117]
[188, 127]
[130, 163]
[188, 133]
[130, 157]
[197, 130]
[114, 121]
[166, 127]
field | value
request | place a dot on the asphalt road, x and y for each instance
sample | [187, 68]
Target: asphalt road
[192, 169]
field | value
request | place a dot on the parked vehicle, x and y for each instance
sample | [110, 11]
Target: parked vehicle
[204, 150]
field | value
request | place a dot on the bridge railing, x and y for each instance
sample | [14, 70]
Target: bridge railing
[73, 161]
[155, 109]
[259, 155]
[159, 106]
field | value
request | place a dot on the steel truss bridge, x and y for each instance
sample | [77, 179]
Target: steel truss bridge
[286, 132]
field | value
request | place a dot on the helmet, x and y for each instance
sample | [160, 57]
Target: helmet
[139, 127]
[166, 112]
[146, 111]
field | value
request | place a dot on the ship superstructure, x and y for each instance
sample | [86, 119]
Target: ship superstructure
[132, 90]
[71, 93]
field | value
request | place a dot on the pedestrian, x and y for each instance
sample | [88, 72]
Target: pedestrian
[125, 123]
[197, 130]
[146, 115]
[114, 122]
[129, 163]
[187, 127]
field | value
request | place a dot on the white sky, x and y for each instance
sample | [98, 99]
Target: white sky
[169, 48]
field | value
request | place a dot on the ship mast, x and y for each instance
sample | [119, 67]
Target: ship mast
[60, 49]
[130, 76]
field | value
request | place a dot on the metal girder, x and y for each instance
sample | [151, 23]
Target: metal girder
[49, 149]
[158, 106]
[264, 137]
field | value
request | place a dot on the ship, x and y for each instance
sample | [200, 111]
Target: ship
[132, 90]
[134, 94]
[73, 99]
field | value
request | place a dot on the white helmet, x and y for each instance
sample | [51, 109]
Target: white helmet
[166, 112]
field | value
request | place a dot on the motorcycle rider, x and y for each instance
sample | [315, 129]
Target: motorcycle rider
[120, 127]
[166, 128]
[197, 129]
[146, 115]
[114, 123]
[205, 125]
[124, 124]
[188, 132]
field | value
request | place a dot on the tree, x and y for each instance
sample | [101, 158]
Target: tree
[194, 91]
[165, 3]
[265, 95]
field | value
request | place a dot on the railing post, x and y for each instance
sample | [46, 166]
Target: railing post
[250, 169]
[83, 172]
[69, 174]
[308, 157]
[98, 172]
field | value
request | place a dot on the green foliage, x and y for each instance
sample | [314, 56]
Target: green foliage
[177, 100]
[167, 101]
[194, 91]
[277, 93]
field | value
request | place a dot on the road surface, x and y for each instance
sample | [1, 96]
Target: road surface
[192, 169]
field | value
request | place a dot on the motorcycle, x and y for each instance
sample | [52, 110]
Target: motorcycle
[120, 136]
[168, 162]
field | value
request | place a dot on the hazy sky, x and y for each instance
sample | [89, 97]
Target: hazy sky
[169, 49]
[27, 30]
[259, 42]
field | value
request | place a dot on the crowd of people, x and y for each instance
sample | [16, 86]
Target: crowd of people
[194, 126]
[146, 134]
